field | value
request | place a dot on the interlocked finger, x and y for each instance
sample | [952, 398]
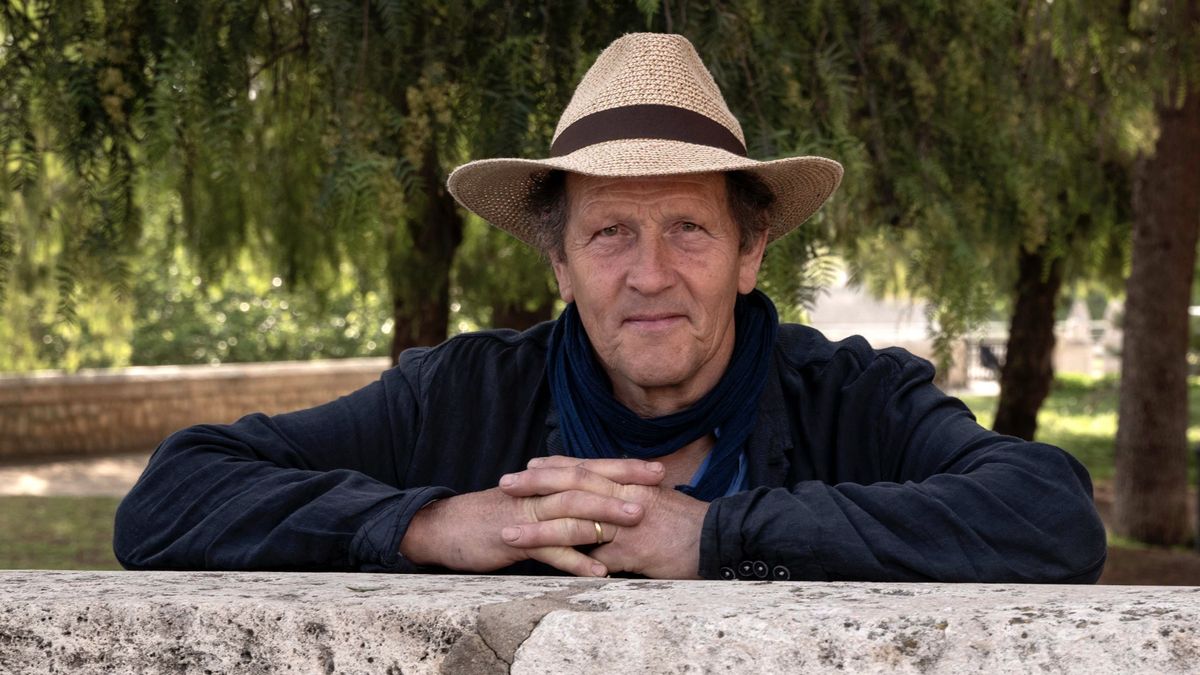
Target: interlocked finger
[533, 482]
[560, 532]
[569, 560]
[624, 471]
[584, 505]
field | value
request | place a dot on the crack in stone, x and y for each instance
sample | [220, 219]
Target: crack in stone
[502, 628]
[484, 637]
[507, 662]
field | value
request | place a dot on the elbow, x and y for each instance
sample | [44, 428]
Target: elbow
[129, 530]
[134, 530]
[146, 520]
[1077, 531]
[1086, 548]
[1071, 548]
[1061, 538]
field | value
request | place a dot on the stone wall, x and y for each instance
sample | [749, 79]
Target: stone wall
[201, 622]
[133, 409]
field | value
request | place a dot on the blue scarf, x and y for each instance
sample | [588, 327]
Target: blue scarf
[595, 425]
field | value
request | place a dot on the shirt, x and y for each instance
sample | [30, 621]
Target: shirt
[859, 468]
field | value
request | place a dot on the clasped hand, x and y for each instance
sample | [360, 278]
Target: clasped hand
[549, 510]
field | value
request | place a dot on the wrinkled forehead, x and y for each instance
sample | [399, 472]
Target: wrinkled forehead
[702, 193]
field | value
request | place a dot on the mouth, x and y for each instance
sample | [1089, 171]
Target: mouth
[653, 323]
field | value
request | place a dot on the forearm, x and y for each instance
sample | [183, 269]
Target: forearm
[1027, 519]
[206, 502]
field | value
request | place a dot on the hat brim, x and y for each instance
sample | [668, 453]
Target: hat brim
[498, 189]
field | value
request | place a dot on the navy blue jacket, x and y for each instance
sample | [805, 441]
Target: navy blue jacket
[859, 468]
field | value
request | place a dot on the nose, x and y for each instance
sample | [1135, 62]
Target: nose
[652, 271]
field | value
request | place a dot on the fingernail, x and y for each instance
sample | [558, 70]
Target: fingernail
[598, 570]
[508, 480]
[631, 508]
[656, 467]
[511, 533]
[536, 461]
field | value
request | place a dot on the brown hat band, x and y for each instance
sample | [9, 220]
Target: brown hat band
[664, 122]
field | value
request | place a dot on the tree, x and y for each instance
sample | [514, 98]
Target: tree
[1151, 459]
[316, 133]
[1078, 229]
[320, 134]
[973, 169]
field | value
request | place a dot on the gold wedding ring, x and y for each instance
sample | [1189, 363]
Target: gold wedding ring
[599, 532]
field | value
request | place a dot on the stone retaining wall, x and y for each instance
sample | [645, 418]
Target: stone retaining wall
[133, 622]
[104, 412]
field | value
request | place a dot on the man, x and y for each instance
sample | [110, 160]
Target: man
[664, 425]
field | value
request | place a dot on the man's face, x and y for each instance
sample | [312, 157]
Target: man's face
[654, 267]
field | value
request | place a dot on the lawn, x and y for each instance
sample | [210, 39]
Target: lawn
[57, 533]
[1080, 416]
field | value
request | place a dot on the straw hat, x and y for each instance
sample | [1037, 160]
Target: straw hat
[647, 107]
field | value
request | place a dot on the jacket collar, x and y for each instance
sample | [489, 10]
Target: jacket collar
[766, 449]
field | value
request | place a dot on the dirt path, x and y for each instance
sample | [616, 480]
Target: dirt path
[1150, 566]
[90, 477]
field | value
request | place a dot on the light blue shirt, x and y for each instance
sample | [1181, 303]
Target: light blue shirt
[739, 481]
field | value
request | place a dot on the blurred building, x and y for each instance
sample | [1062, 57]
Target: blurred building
[1084, 345]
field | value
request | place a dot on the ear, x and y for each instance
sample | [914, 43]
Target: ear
[564, 278]
[749, 262]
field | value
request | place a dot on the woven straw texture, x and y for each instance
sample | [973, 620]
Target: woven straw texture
[643, 68]
[649, 68]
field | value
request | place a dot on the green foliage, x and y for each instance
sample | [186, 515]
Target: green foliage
[1080, 416]
[171, 314]
[494, 268]
[318, 136]
[246, 316]
[80, 107]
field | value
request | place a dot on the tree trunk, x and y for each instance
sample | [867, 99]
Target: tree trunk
[1151, 456]
[421, 292]
[518, 317]
[1028, 368]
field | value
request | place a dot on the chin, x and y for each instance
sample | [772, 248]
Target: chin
[652, 373]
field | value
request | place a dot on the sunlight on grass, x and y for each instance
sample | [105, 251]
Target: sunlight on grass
[1080, 416]
[1117, 541]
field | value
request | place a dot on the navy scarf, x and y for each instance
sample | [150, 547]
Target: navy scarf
[595, 425]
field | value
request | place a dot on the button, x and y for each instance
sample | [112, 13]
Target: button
[727, 574]
[780, 573]
[760, 569]
[746, 569]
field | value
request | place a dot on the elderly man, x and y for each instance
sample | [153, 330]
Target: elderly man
[664, 425]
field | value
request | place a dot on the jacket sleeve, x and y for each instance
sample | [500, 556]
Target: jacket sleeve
[957, 502]
[313, 489]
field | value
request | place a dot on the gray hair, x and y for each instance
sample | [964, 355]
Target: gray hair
[749, 200]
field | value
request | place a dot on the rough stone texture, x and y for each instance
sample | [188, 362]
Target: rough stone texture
[351, 623]
[123, 410]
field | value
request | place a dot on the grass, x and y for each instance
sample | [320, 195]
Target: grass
[57, 533]
[1080, 416]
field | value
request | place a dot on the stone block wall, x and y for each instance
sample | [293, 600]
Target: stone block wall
[215, 622]
[133, 409]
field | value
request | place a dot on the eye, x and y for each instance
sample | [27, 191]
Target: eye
[610, 231]
[689, 227]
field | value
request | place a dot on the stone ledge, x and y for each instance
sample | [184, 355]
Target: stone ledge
[357, 623]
